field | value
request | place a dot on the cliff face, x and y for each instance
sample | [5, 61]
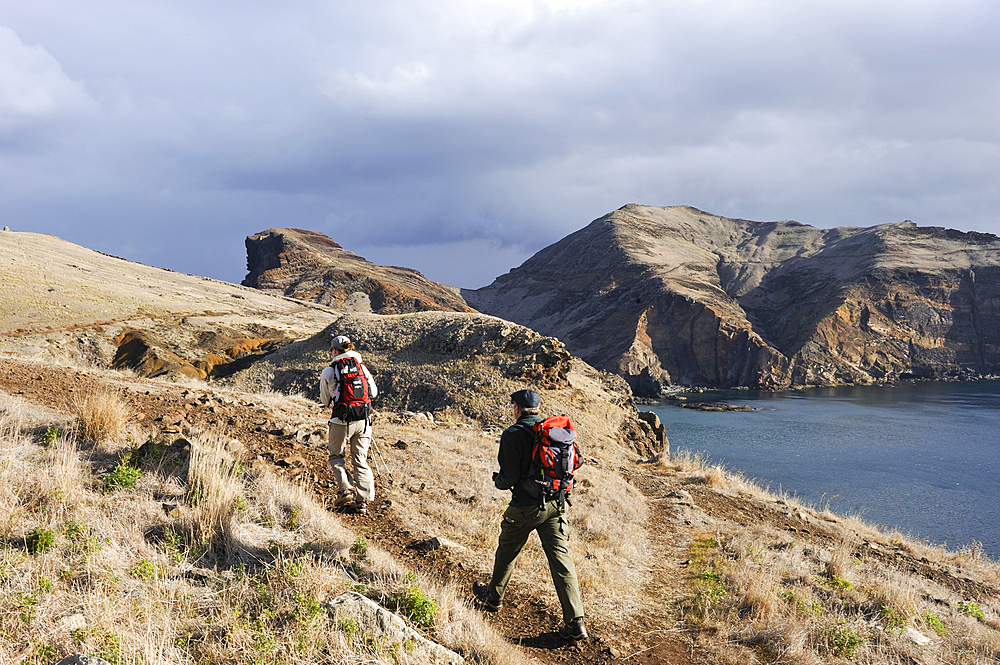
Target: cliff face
[310, 266]
[676, 295]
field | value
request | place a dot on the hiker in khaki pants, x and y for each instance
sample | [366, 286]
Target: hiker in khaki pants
[524, 515]
[357, 489]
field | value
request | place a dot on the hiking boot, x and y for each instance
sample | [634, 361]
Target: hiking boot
[486, 598]
[574, 630]
[343, 499]
[360, 507]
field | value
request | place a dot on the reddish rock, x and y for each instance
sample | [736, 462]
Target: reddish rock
[310, 266]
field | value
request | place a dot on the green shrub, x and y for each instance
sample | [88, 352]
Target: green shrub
[75, 530]
[970, 608]
[893, 621]
[933, 622]
[50, 435]
[360, 548]
[844, 642]
[144, 570]
[348, 626]
[836, 583]
[421, 608]
[39, 540]
[123, 476]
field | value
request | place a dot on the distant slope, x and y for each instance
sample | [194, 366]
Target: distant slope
[65, 302]
[310, 266]
[677, 295]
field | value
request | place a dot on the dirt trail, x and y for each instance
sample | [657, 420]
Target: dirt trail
[525, 620]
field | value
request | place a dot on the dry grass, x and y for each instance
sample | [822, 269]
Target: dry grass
[103, 418]
[765, 595]
[444, 488]
[239, 576]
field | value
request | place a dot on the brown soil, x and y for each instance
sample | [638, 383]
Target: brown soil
[657, 636]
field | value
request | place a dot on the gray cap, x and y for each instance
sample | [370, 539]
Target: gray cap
[526, 399]
[339, 342]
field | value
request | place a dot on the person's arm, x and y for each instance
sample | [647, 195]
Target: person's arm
[509, 458]
[324, 387]
[335, 382]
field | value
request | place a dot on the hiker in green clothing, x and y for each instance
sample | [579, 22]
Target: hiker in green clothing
[528, 512]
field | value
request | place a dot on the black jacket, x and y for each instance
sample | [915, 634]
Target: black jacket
[514, 457]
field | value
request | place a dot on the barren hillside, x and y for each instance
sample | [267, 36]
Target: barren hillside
[679, 296]
[679, 561]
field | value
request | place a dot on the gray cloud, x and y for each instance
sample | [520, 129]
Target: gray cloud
[460, 137]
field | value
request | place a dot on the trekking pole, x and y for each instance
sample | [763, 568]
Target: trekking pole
[378, 458]
[378, 476]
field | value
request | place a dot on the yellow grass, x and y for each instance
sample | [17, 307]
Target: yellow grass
[770, 596]
[240, 576]
[102, 418]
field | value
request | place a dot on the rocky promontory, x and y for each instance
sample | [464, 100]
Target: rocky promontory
[310, 266]
[677, 295]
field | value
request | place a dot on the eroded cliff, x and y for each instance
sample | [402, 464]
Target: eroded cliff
[310, 266]
[677, 295]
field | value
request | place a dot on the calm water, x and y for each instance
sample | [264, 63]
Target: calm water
[923, 457]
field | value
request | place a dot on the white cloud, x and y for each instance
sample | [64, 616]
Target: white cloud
[33, 87]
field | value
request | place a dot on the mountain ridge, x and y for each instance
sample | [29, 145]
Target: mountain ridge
[677, 295]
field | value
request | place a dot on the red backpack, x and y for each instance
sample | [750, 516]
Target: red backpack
[355, 402]
[554, 458]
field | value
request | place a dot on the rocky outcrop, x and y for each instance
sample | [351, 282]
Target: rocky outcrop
[371, 619]
[457, 368]
[221, 355]
[676, 295]
[310, 266]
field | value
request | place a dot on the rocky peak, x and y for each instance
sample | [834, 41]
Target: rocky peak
[309, 266]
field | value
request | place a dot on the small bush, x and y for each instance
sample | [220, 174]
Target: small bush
[360, 548]
[836, 583]
[970, 608]
[144, 570]
[894, 622]
[844, 642]
[348, 627]
[933, 622]
[39, 540]
[123, 476]
[50, 436]
[421, 608]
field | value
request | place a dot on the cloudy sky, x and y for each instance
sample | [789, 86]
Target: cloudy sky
[459, 137]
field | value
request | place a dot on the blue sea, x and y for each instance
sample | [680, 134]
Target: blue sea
[922, 457]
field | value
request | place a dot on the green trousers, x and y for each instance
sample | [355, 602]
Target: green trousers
[553, 531]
